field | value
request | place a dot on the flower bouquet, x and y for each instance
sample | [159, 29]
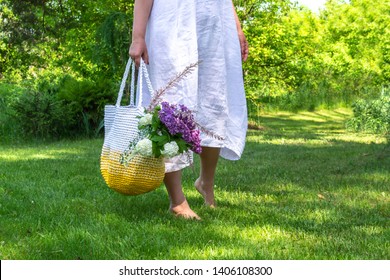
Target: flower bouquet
[165, 130]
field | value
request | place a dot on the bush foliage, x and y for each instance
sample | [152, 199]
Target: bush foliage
[66, 107]
[68, 56]
[371, 116]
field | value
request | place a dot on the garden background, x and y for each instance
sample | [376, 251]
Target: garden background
[313, 182]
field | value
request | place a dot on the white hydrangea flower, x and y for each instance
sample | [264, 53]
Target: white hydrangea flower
[146, 119]
[144, 148]
[171, 149]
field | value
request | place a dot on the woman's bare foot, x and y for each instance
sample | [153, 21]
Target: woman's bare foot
[183, 210]
[207, 193]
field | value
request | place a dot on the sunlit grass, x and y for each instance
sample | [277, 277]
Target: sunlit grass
[304, 189]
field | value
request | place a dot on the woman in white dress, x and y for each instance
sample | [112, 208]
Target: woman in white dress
[170, 35]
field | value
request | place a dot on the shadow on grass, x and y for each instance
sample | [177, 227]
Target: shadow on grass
[309, 125]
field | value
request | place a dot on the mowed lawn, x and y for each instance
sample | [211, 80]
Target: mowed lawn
[305, 188]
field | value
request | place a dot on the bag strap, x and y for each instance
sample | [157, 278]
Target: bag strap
[147, 80]
[143, 72]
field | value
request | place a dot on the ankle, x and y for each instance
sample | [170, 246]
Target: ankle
[204, 184]
[179, 204]
[207, 191]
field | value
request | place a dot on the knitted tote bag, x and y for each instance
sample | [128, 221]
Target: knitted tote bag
[142, 174]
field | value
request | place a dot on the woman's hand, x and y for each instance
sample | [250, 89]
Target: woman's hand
[139, 50]
[243, 45]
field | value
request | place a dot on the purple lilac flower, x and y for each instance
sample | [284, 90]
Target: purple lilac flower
[179, 120]
[195, 135]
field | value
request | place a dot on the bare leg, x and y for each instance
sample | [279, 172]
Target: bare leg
[205, 183]
[178, 203]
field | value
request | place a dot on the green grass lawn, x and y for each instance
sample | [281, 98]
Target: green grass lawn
[304, 189]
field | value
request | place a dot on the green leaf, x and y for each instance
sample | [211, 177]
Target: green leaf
[160, 139]
[156, 150]
[156, 123]
[183, 146]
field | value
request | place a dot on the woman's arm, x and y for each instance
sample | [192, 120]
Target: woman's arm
[138, 47]
[241, 37]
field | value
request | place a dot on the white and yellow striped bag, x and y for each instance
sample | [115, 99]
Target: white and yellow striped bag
[142, 174]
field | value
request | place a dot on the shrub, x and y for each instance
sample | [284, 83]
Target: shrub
[9, 127]
[87, 100]
[371, 116]
[69, 108]
[41, 114]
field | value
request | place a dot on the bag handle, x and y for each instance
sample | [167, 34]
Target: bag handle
[143, 72]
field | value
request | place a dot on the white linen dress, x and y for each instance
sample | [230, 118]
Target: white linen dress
[181, 32]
